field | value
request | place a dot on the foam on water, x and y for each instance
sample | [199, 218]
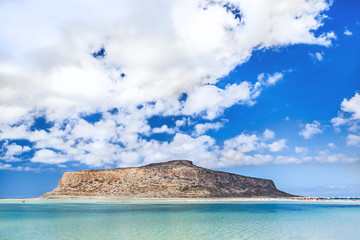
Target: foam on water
[245, 220]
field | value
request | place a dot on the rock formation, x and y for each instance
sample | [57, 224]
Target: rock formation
[173, 179]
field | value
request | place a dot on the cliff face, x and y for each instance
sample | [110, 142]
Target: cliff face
[178, 178]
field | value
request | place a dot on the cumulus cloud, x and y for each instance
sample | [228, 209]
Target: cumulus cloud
[317, 56]
[326, 157]
[7, 166]
[120, 147]
[353, 140]
[290, 160]
[349, 114]
[277, 145]
[243, 143]
[352, 106]
[152, 51]
[347, 32]
[310, 130]
[14, 149]
[332, 145]
[12, 152]
[231, 157]
[140, 58]
[49, 157]
[212, 100]
[163, 129]
[237, 151]
[269, 80]
[202, 128]
[268, 134]
[301, 150]
[323, 157]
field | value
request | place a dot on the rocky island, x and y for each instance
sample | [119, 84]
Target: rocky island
[172, 179]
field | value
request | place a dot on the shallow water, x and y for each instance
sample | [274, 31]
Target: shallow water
[244, 220]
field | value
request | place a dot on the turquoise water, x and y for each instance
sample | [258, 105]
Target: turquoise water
[245, 220]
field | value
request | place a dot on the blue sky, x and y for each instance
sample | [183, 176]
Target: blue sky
[259, 89]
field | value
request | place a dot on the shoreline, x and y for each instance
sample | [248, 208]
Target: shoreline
[132, 200]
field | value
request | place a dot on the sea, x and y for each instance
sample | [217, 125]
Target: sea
[178, 221]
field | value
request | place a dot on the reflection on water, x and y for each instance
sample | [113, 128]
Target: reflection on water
[178, 221]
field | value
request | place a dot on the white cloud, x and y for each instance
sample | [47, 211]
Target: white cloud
[7, 166]
[237, 151]
[180, 123]
[354, 127]
[202, 128]
[301, 150]
[231, 157]
[213, 100]
[164, 50]
[347, 32]
[317, 56]
[270, 79]
[198, 100]
[338, 121]
[13, 132]
[352, 106]
[243, 143]
[349, 114]
[286, 160]
[268, 134]
[155, 52]
[14, 149]
[49, 157]
[11, 113]
[310, 130]
[353, 140]
[123, 147]
[163, 129]
[277, 145]
[332, 145]
[292, 160]
[326, 157]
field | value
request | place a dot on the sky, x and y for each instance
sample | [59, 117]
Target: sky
[268, 89]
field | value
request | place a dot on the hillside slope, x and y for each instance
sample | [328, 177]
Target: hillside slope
[177, 178]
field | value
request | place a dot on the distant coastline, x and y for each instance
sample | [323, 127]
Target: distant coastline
[107, 199]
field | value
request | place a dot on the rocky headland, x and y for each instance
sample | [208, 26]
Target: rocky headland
[173, 179]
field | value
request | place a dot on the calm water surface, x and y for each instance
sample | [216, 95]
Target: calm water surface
[72, 220]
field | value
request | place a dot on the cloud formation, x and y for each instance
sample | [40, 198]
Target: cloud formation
[347, 32]
[268, 79]
[301, 150]
[317, 56]
[268, 134]
[349, 114]
[132, 60]
[326, 157]
[153, 51]
[353, 140]
[310, 130]
[277, 145]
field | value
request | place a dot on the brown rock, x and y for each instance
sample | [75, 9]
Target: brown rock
[173, 179]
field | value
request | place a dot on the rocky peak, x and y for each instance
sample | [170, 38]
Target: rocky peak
[171, 163]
